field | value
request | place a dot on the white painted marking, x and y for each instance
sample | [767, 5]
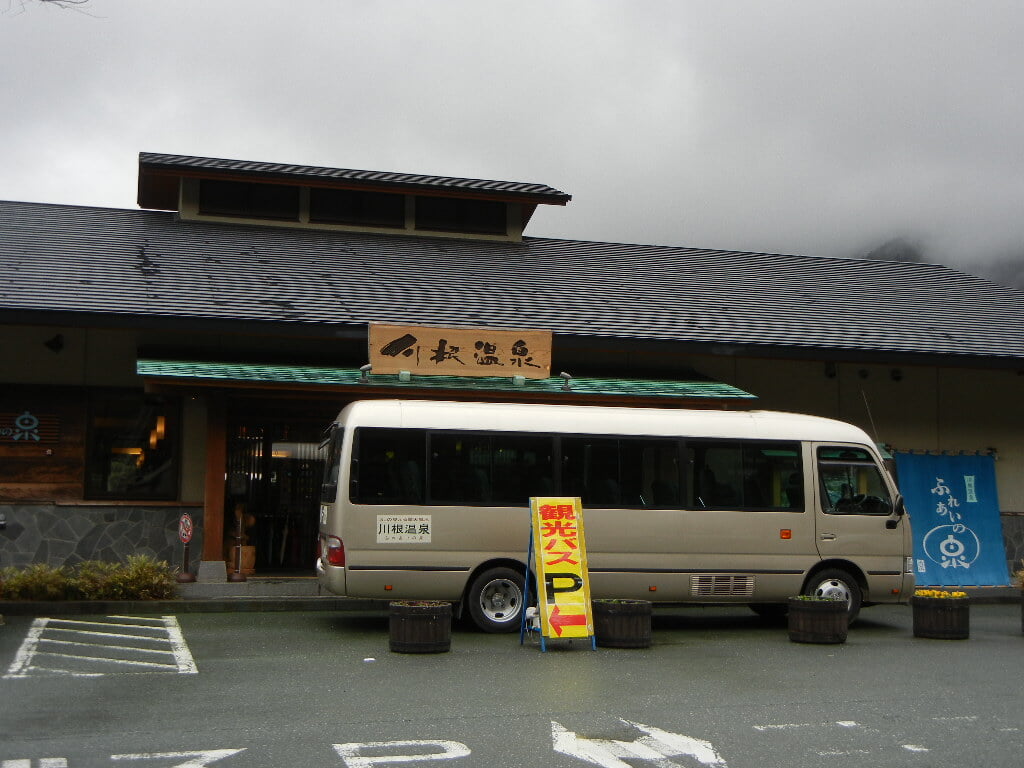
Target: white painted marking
[73, 644]
[186, 664]
[915, 748]
[53, 762]
[76, 623]
[45, 762]
[350, 753]
[782, 726]
[129, 662]
[847, 724]
[89, 633]
[194, 759]
[844, 753]
[956, 719]
[656, 747]
[42, 650]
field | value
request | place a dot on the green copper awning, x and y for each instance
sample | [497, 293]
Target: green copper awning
[352, 380]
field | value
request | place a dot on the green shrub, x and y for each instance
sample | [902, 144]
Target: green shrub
[37, 582]
[141, 578]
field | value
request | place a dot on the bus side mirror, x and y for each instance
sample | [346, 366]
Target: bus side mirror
[899, 509]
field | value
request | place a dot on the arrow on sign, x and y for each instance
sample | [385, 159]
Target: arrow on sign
[655, 746]
[559, 620]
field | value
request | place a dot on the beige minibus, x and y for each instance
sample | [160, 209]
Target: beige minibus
[430, 500]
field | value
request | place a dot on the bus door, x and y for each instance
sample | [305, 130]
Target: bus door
[856, 521]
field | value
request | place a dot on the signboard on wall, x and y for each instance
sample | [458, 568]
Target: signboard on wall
[431, 351]
[560, 565]
[23, 427]
[954, 514]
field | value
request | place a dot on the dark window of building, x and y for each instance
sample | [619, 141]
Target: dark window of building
[754, 475]
[628, 473]
[367, 209]
[132, 450]
[450, 214]
[249, 200]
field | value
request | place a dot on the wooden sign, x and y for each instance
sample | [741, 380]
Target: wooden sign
[431, 351]
[560, 565]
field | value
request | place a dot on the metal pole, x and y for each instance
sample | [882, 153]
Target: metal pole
[237, 575]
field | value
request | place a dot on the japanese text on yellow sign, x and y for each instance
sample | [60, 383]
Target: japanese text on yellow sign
[560, 564]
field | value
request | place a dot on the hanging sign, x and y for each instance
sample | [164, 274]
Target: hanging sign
[954, 513]
[560, 565]
[429, 351]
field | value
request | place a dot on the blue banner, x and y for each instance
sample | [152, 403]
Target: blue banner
[954, 513]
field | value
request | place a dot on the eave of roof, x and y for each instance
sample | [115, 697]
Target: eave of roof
[153, 165]
[346, 379]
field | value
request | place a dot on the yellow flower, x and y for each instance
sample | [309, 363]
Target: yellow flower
[938, 593]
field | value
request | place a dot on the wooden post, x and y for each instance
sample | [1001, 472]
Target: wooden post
[216, 466]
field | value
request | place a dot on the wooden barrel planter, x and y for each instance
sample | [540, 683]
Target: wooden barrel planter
[817, 620]
[622, 623]
[942, 618]
[420, 626]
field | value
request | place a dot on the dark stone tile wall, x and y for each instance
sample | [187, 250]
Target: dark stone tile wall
[68, 534]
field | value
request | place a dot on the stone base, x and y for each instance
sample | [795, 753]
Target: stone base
[212, 572]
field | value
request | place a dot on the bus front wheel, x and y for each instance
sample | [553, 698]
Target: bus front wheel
[496, 601]
[837, 584]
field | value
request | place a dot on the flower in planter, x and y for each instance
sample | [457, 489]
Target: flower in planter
[940, 593]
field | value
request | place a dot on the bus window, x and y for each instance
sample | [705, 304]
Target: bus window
[749, 475]
[851, 483]
[489, 470]
[332, 464]
[630, 474]
[388, 466]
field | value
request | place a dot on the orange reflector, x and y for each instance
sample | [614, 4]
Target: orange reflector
[387, 587]
[895, 591]
[785, 533]
[652, 589]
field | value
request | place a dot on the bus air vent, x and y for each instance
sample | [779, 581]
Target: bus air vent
[711, 585]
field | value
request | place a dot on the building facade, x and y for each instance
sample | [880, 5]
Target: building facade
[185, 357]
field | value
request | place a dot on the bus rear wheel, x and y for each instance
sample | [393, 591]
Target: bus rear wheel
[837, 584]
[495, 600]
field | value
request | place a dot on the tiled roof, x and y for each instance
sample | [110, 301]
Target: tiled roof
[401, 181]
[352, 377]
[146, 265]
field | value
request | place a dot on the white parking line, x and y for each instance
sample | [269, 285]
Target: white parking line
[42, 653]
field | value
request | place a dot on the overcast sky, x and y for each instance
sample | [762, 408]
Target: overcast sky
[820, 128]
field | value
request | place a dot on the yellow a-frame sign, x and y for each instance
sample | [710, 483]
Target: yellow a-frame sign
[559, 561]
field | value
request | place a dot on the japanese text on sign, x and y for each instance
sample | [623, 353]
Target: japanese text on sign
[560, 563]
[426, 351]
[403, 529]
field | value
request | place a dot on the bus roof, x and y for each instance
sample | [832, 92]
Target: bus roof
[590, 419]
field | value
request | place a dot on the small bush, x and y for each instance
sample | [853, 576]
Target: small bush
[37, 582]
[141, 578]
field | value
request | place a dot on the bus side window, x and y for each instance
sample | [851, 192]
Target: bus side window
[851, 483]
[388, 466]
[749, 475]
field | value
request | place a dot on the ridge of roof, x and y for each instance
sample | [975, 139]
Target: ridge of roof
[513, 189]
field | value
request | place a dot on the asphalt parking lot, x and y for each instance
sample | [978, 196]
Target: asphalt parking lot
[718, 687]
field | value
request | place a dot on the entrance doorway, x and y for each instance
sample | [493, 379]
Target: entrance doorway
[274, 471]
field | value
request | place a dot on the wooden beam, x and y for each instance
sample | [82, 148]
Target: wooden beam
[216, 466]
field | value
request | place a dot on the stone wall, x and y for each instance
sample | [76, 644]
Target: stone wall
[67, 534]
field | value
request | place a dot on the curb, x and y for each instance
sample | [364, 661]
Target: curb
[207, 605]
